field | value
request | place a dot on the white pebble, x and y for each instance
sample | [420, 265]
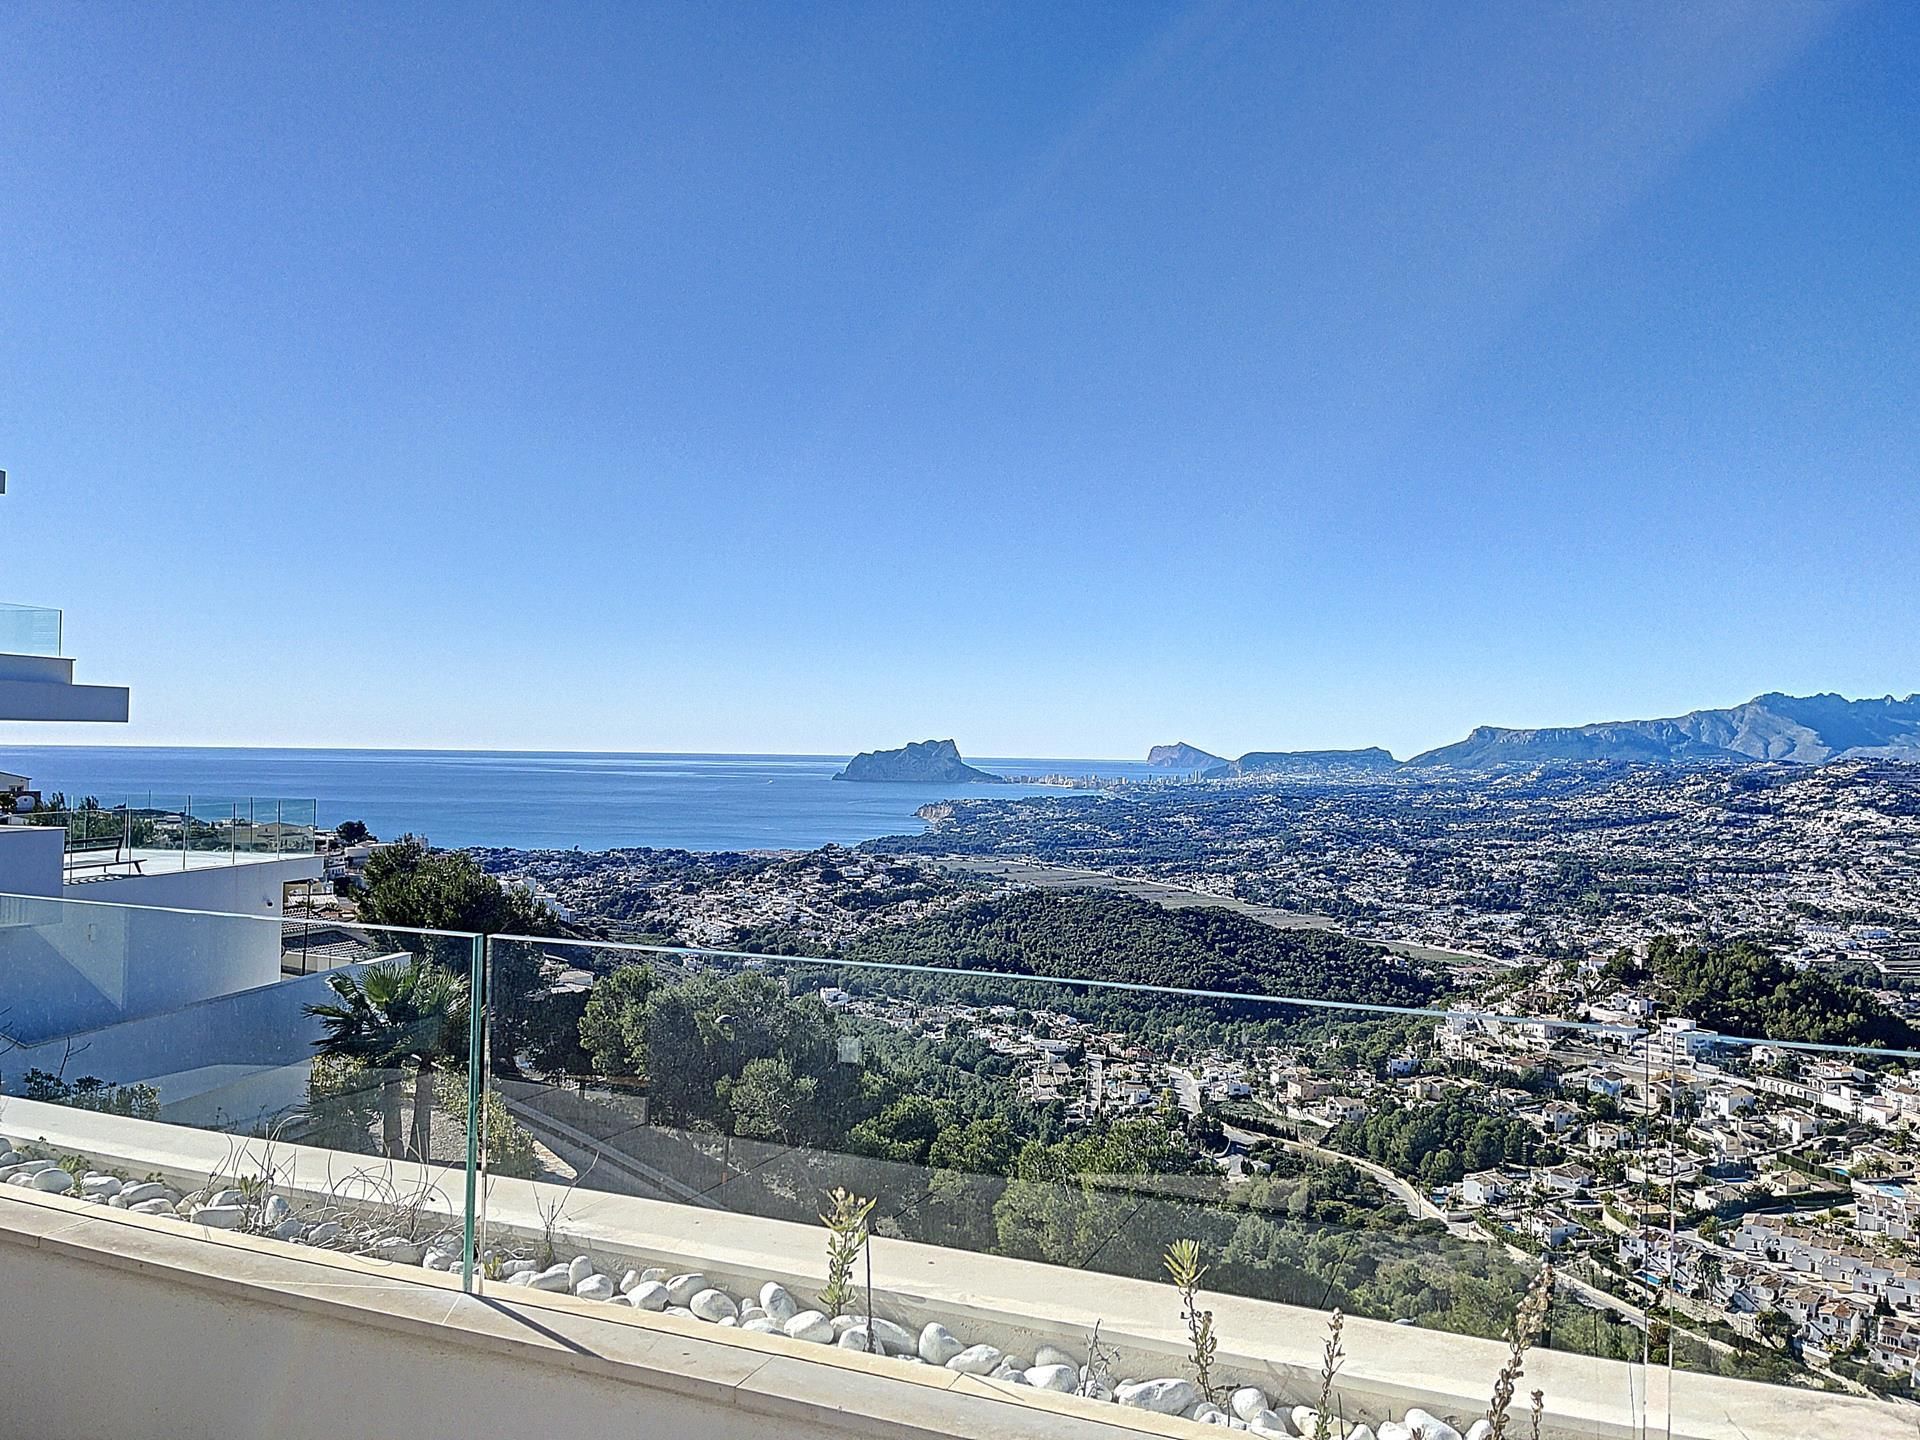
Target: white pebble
[1247, 1402]
[778, 1304]
[976, 1360]
[682, 1288]
[1430, 1427]
[1064, 1378]
[595, 1287]
[810, 1325]
[648, 1295]
[553, 1278]
[1162, 1397]
[714, 1305]
[894, 1339]
[937, 1344]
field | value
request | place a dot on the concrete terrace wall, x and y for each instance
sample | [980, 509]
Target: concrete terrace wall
[227, 1340]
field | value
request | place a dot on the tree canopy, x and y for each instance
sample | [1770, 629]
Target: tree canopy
[1744, 988]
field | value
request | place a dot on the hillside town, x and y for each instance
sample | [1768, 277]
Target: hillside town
[1559, 860]
[1744, 1193]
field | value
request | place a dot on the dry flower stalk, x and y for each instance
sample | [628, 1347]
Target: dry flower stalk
[1528, 1321]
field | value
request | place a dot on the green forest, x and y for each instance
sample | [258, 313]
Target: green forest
[1086, 934]
[1743, 988]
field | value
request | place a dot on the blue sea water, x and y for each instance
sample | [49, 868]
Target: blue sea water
[540, 800]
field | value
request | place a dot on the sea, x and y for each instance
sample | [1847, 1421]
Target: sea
[543, 800]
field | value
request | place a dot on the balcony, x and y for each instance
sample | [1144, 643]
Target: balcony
[652, 1114]
[36, 680]
[156, 835]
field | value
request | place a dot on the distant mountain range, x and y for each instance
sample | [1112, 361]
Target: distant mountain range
[1797, 729]
[1802, 730]
[925, 762]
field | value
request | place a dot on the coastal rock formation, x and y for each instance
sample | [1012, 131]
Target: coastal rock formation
[925, 762]
[1182, 756]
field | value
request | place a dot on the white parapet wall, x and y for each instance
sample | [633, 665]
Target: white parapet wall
[248, 885]
[1010, 1303]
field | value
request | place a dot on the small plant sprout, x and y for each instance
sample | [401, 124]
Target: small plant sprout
[846, 1220]
[1539, 1404]
[1183, 1265]
[1528, 1321]
[1103, 1363]
[1330, 1359]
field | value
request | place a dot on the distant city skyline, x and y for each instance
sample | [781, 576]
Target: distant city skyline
[1061, 382]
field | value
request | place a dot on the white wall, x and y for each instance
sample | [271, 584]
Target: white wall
[68, 966]
[250, 887]
[31, 857]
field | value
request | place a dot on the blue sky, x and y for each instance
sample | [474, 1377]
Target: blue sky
[1061, 378]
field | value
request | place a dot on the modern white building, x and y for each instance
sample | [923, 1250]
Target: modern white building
[91, 985]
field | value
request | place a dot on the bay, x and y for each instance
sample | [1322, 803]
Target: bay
[538, 799]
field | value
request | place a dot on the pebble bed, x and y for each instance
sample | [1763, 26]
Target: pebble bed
[772, 1310]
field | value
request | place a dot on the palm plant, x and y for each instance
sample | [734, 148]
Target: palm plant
[390, 1017]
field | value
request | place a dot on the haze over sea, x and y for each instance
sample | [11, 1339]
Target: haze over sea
[540, 800]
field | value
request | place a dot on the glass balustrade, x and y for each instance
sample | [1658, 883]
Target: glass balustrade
[1186, 1199]
[29, 630]
[157, 834]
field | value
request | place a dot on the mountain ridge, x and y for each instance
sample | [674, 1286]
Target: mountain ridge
[1182, 756]
[1795, 729]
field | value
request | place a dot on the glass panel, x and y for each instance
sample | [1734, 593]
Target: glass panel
[29, 630]
[301, 1081]
[1408, 1166]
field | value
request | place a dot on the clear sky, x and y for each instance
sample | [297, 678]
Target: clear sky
[1061, 378]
